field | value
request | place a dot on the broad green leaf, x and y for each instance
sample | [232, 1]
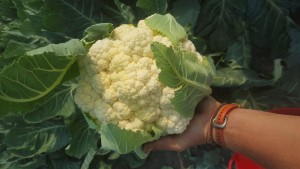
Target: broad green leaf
[29, 140]
[13, 31]
[168, 26]
[266, 98]
[124, 141]
[5, 156]
[31, 13]
[227, 77]
[254, 100]
[254, 80]
[277, 70]
[186, 12]
[101, 164]
[15, 49]
[71, 75]
[32, 9]
[38, 72]
[88, 159]
[293, 58]
[28, 107]
[167, 167]
[92, 122]
[200, 44]
[58, 103]
[13, 43]
[288, 5]
[220, 22]
[186, 99]
[63, 162]
[40, 33]
[16, 107]
[10, 31]
[28, 163]
[7, 9]
[211, 159]
[101, 151]
[83, 139]
[246, 78]
[269, 27]
[184, 71]
[96, 32]
[141, 153]
[154, 6]
[133, 161]
[113, 156]
[290, 81]
[125, 11]
[8, 122]
[72, 17]
[239, 53]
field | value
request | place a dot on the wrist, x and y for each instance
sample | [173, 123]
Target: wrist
[219, 122]
[208, 107]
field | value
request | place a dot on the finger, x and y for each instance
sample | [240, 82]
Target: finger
[173, 143]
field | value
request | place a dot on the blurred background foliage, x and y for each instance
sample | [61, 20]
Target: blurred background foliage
[255, 45]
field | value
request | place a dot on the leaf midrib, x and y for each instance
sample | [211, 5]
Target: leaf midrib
[42, 129]
[59, 78]
[184, 80]
[79, 12]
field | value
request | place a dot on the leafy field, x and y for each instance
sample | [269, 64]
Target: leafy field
[255, 45]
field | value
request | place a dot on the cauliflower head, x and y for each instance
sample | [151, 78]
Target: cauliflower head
[120, 83]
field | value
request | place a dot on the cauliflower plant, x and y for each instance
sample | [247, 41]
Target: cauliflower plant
[119, 81]
[121, 84]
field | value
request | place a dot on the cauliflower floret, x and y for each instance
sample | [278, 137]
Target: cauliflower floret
[148, 114]
[100, 81]
[128, 89]
[153, 84]
[109, 95]
[165, 100]
[162, 39]
[92, 67]
[143, 92]
[100, 110]
[136, 41]
[122, 110]
[102, 52]
[83, 98]
[145, 63]
[199, 57]
[171, 122]
[83, 66]
[143, 75]
[119, 62]
[122, 30]
[134, 124]
[188, 45]
[114, 77]
[142, 25]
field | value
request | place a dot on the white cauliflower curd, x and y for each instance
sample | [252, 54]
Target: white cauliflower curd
[119, 82]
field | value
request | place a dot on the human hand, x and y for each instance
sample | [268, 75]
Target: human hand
[197, 132]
